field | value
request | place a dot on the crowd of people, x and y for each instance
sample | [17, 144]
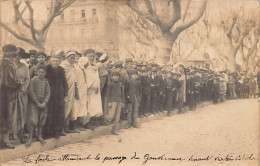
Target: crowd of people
[43, 96]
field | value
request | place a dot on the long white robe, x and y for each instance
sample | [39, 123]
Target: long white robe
[93, 95]
[70, 73]
[81, 104]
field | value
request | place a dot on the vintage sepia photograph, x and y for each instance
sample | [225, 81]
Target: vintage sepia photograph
[130, 82]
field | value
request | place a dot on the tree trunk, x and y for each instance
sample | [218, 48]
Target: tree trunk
[164, 54]
[41, 42]
[232, 65]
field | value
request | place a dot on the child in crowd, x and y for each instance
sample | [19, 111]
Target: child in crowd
[39, 92]
[133, 90]
[115, 96]
[41, 58]
[215, 91]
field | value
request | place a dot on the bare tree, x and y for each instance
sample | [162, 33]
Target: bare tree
[37, 36]
[141, 29]
[241, 31]
[170, 26]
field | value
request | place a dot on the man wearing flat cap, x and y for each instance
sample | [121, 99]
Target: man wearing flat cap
[10, 105]
[32, 58]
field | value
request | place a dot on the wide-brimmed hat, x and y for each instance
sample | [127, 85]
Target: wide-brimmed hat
[9, 50]
[88, 51]
[41, 53]
[69, 53]
[99, 54]
[104, 58]
[32, 52]
[22, 53]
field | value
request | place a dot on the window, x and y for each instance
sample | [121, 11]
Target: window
[94, 11]
[72, 15]
[83, 32]
[83, 14]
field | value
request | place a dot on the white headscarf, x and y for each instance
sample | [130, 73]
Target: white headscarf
[83, 61]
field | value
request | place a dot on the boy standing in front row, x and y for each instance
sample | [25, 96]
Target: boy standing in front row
[39, 92]
[133, 90]
[115, 97]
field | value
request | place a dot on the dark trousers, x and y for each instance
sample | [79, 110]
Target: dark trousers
[132, 111]
[103, 90]
[161, 100]
[259, 89]
[145, 104]
[169, 100]
[153, 104]
[180, 106]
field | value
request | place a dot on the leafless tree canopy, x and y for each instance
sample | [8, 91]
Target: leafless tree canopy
[38, 35]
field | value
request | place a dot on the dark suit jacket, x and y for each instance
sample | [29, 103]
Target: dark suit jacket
[132, 89]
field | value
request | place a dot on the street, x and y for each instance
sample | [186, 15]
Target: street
[223, 134]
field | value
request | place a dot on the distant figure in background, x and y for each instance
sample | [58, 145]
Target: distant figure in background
[258, 82]
[215, 90]
[222, 90]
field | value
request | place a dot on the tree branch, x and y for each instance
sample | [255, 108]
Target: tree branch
[238, 44]
[153, 17]
[186, 10]
[17, 35]
[66, 5]
[19, 15]
[176, 4]
[252, 49]
[229, 32]
[59, 7]
[31, 21]
[184, 26]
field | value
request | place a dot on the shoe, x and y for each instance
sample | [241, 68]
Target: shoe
[8, 145]
[136, 126]
[62, 133]
[56, 135]
[90, 126]
[73, 131]
[22, 138]
[11, 136]
[114, 132]
[41, 140]
[81, 129]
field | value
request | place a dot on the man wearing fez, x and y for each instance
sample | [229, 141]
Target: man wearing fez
[10, 104]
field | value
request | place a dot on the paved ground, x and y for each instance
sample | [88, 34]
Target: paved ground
[224, 134]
